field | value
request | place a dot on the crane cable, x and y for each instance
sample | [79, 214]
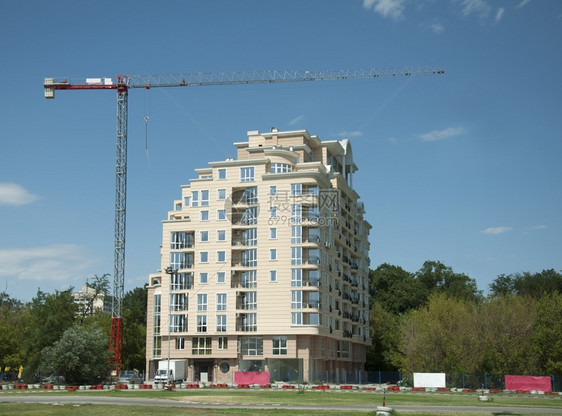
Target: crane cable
[146, 117]
[193, 120]
[382, 106]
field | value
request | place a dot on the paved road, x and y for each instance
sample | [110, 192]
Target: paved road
[138, 401]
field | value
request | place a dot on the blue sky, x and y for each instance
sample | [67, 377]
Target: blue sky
[463, 168]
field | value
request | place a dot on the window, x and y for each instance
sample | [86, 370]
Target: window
[280, 168]
[222, 343]
[180, 343]
[221, 235]
[313, 319]
[201, 345]
[204, 256]
[221, 323]
[250, 237]
[221, 277]
[181, 281]
[279, 345]
[296, 318]
[181, 260]
[247, 174]
[343, 349]
[201, 302]
[272, 254]
[221, 194]
[273, 275]
[250, 196]
[181, 240]
[296, 299]
[221, 301]
[249, 279]
[203, 278]
[201, 323]
[178, 323]
[250, 345]
[156, 339]
[272, 212]
[250, 258]
[250, 322]
[296, 189]
[195, 198]
[250, 216]
[204, 215]
[273, 233]
[250, 301]
[222, 173]
[296, 234]
[221, 215]
[273, 190]
[186, 201]
[221, 256]
[178, 302]
[296, 256]
[204, 236]
[205, 198]
[296, 213]
[296, 277]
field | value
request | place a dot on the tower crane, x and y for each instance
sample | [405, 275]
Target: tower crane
[122, 84]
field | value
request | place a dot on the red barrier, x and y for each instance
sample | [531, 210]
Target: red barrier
[251, 377]
[527, 383]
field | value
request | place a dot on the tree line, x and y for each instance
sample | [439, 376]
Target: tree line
[53, 335]
[436, 320]
[433, 320]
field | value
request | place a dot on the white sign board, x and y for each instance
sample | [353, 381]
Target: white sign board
[429, 380]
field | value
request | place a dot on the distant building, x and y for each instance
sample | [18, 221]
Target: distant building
[268, 258]
[90, 303]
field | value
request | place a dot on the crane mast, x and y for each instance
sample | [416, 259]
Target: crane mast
[123, 83]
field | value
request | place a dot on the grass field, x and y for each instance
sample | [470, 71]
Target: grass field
[336, 399]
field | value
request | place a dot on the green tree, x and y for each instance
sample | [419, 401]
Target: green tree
[437, 337]
[437, 277]
[506, 324]
[11, 336]
[48, 316]
[395, 289]
[383, 325]
[134, 328]
[546, 339]
[81, 356]
[527, 284]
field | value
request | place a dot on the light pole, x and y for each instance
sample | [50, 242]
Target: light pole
[169, 271]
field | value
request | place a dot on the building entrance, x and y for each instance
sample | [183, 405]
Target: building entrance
[203, 371]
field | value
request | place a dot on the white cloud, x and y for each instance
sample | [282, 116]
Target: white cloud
[499, 14]
[386, 8]
[497, 230]
[14, 194]
[523, 3]
[437, 135]
[51, 263]
[479, 7]
[296, 120]
[437, 27]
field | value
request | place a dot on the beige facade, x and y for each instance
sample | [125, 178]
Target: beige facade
[267, 258]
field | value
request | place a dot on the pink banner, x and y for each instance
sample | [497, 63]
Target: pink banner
[251, 377]
[527, 383]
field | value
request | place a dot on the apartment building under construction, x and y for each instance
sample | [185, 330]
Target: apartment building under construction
[264, 267]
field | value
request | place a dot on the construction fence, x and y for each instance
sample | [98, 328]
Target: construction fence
[453, 380]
